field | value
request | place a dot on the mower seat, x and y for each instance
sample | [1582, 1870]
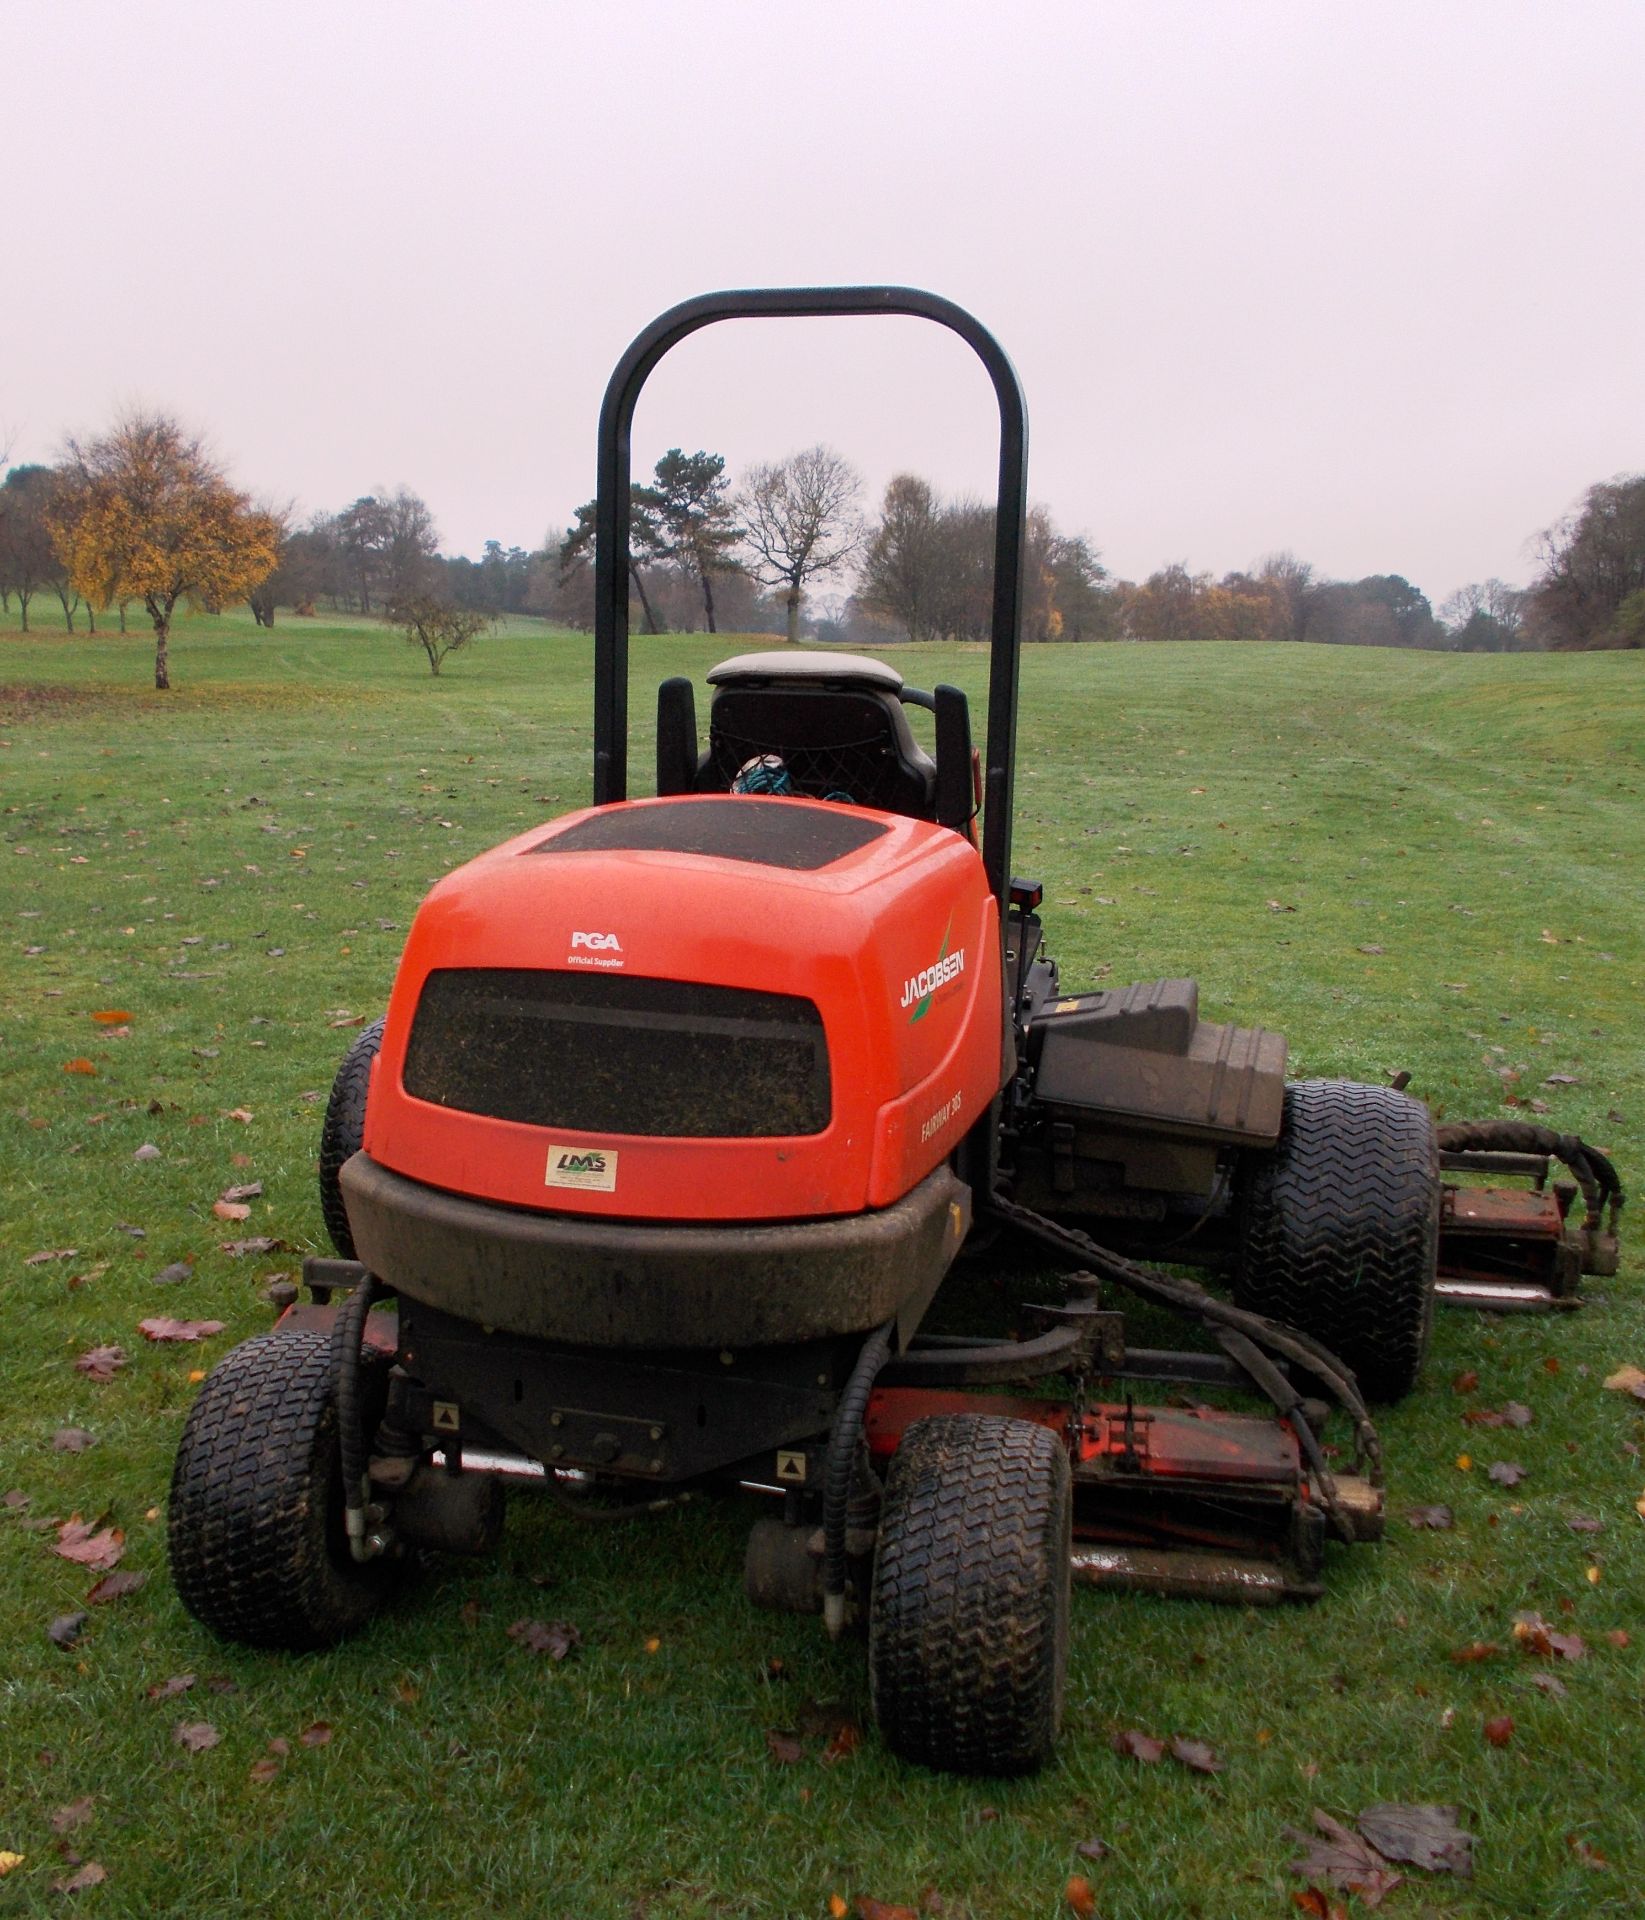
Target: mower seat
[836, 720]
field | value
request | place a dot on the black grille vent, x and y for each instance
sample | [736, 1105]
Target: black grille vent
[612, 1054]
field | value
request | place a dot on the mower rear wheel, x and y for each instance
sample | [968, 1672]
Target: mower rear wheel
[1340, 1228]
[256, 1539]
[968, 1626]
[344, 1132]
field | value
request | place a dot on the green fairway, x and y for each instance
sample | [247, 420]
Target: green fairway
[1402, 860]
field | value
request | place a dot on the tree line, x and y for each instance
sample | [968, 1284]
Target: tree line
[143, 515]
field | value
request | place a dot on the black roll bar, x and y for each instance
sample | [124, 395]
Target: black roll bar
[611, 525]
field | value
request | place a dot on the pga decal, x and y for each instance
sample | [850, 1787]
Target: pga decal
[595, 950]
[592, 1169]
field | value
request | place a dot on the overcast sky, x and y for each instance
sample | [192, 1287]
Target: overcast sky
[1364, 282]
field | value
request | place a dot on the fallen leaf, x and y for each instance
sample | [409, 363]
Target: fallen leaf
[1196, 1756]
[1550, 1683]
[1507, 1473]
[164, 1327]
[1140, 1746]
[262, 1771]
[1465, 1382]
[1441, 1519]
[1562, 1080]
[170, 1276]
[88, 1546]
[1584, 1523]
[90, 1875]
[867, 1909]
[317, 1735]
[1500, 1730]
[260, 1244]
[195, 1736]
[1274, 906]
[556, 1638]
[1093, 1849]
[101, 1363]
[1081, 1900]
[115, 1586]
[1619, 1637]
[50, 1253]
[1338, 1856]
[1516, 1415]
[66, 1629]
[1590, 1856]
[231, 1210]
[783, 1747]
[1465, 1463]
[252, 1190]
[72, 1440]
[279, 1747]
[9, 1861]
[1627, 1379]
[80, 1064]
[169, 1689]
[75, 1814]
[76, 1281]
[1311, 1900]
[147, 1151]
[243, 1114]
[1371, 947]
[16, 1500]
[847, 1738]
[1423, 1835]
[837, 1909]
[1474, 1652]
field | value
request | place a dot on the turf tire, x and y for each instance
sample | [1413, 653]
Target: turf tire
[256, 1540]
[1339, 1228]
[344, 1132]
[968, 1625]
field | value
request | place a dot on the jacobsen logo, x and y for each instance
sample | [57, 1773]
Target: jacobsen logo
[594, 1169]
[939, 1119]
[595, 950]
[917, 992]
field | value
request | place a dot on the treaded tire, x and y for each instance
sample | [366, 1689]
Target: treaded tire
[1340, 1228]
[255, 1535]
[968, 1626]
[344, 1131]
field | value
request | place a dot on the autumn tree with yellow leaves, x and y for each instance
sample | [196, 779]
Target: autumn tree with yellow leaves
[144, 513]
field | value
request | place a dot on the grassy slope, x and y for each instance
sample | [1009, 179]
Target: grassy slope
[236, 865]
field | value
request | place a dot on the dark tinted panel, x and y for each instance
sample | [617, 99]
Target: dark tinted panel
[773, 833]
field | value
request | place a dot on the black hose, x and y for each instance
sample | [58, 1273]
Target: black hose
[1591, 1169]
[347, 1332]
[841, 1466]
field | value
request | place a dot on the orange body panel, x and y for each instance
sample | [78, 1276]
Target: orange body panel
[896, 943]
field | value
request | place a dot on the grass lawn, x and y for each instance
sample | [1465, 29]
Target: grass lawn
[1401, 860]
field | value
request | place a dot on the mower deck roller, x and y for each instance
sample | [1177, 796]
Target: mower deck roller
[652, 1179]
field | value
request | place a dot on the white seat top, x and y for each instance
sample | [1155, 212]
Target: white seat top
[797, 663]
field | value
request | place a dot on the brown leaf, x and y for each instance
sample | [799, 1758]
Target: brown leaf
[243, 1114]
[1441, 1519]
[169, 1689]
[847, 1738]
[15, 1500]
[101, 1363]
[1139, 1745]
[1423, 1835]
[195, 1736]
[1093, 1849]
[89, 1875]
[251, 1190]
[1082, 1902]
[66, 1629]
[1507, 1473]
[80, 1064]
[1627, 1379]
[1589, 1856]
[1516, 1415]
[50, 1253]
[1618, 1637]
[1196, 1755]
[1466, 1382]
[279, 1747]
[113, 1017]
[1584, 1523]
[556, 1638]
[1499, 1730]
[115, 1586]
[1550, 1684]
[264, 1770]
[1475, 1651]
[72, 1440]
[164, 1327]
[1338, 1856]
[88, 1546]
[867, 1909]
[259, 1244]
[148, 1150]
[317, 1735]
[231, 1209]
[169, 1276]
[1371, 947]
[783, 1747]
[75, 1814]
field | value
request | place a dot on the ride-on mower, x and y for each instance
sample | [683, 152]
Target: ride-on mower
[681, 1113]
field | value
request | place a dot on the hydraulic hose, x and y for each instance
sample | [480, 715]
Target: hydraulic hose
[1591, 1169]
[347, 1332]
[840, 1470]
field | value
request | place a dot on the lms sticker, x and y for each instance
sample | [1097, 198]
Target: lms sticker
[594, 1169]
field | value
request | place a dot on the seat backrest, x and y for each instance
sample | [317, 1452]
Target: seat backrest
[836, 721]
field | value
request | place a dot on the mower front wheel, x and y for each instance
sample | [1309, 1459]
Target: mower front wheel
[256, 1537]
[1340, 1228]
[968, 1627]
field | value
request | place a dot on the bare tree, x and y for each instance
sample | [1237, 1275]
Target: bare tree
[903, 558]
[801, 522]
[438, 627]
[1292, 583]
